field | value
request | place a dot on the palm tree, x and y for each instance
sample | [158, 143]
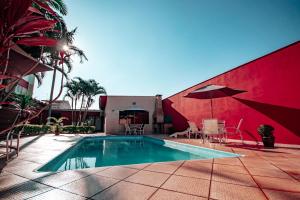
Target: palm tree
[25, 104]
[85, 90]
[72, 93]
[95, 89]
[55, 59]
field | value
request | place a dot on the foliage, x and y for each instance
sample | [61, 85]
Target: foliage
[56, 124]
[24, 102]
[32, 129]
[41, 32]
[265, 130]
[78, 129]
[86, 90]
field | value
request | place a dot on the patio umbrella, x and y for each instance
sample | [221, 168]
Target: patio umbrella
[132, 111]
[213, 91]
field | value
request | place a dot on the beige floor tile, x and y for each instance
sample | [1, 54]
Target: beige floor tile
[33, 175]
[218, 168]
[228, 161]
[57, 194]
[10, 180]
[90, 185]
[24, 190]
[118, 172]
[62, 178]
[139, 166]
[17, 163]
[280, 195]
[176, 163]
[196, 170]
[187, 185]
[148, 178]
[126, 191]
[4, 173]
[164, 168]
[225, 191]
[288, 185]
[92, 170]
[170, 195]
[233, 178]
[29, 166]
[268, 172]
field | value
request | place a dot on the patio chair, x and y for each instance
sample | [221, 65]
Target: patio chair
[191, 130]
[234, 131]
[211, 130]
[128, 129]
[140, 129]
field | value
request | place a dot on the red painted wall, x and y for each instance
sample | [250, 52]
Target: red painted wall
[273, 97]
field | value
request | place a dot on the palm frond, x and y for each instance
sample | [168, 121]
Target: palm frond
[39, 77]
[78, 52]
[59, 5]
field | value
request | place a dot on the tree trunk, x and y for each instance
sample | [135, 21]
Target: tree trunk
[86, 108]
[79, 121]
[51, 93]
[75, 118]
[72, 110]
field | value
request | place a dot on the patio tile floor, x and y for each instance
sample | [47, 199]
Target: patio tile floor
[168, 195]
[280, 195]
[188, 185]
[163, 168]
[118, 172]
[57, 194]
[259, 175]
[126, 191]
[95, 183]
[148, 178]
[226, 191]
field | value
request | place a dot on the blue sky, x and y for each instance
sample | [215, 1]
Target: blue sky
[139, 47]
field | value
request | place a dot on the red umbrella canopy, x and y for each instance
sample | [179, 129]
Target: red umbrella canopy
[213, 91]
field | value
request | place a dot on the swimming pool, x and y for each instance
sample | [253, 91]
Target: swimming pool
[103, 151]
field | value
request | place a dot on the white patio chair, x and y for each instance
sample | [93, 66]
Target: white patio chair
[140, 129]
[211, 130]
[127, 129]
[234, 131]
[193, 129]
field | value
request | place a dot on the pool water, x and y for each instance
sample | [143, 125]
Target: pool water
[102, 151]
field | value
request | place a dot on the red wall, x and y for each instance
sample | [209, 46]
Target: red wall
[273, 97]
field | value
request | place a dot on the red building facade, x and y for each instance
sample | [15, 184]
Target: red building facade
[272, 83]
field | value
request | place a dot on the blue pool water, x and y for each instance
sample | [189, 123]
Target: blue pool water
[119, 150]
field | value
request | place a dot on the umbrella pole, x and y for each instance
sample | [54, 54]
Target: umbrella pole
[211, 108]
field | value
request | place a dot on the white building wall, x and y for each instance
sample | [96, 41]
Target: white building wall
[117, 103]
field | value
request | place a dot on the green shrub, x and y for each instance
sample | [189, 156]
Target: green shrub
[78, 129]
[32, 129]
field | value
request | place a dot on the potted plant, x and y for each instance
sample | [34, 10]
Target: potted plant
[57, 124]
[266, 133]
